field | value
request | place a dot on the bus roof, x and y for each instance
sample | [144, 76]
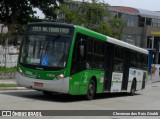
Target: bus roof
[90, 33]
[126, 45]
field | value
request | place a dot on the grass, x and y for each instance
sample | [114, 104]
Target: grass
[8, 85]
[7, 70]
[12, 69]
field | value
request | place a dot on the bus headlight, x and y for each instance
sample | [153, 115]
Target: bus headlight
[60, 76]
[20, 71]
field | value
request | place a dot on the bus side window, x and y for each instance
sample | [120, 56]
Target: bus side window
[133, 59]
[89, 53]
[145, 62]
[98, 55]
[139, 60]
[118, 60]
[82, 56]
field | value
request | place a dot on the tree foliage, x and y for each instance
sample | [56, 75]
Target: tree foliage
[93, 15]
[21, 11]
[15, 14]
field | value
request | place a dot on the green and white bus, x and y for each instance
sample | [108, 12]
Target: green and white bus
[65, 58]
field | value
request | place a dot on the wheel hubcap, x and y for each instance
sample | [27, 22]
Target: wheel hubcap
[91, 89]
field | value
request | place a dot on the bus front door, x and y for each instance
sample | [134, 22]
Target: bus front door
[109, 56]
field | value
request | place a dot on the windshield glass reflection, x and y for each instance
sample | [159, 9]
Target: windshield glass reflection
[45, 50]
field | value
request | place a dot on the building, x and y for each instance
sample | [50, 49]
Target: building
[142, 27]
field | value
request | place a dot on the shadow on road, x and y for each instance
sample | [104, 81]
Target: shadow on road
[63, 98]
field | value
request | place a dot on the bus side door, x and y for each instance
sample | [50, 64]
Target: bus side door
[109, 58]
[126, 69]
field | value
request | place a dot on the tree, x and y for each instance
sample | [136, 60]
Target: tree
[103, 28]
[83, 12]
[93, 15]
[15, 14]
[117, 26]
[48, 7]
[21, 11]
[67, 14]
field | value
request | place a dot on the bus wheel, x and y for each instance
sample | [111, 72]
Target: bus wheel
[91, 90]
[133, 88]
[47, 94]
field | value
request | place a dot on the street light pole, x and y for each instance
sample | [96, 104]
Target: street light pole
[153, 42]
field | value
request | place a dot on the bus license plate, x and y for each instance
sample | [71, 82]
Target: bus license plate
[38, 84]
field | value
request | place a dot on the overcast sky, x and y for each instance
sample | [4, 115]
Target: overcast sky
[153, 5]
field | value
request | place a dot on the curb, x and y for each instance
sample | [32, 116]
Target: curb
[12, 88]
[151, 82]
[154, 81]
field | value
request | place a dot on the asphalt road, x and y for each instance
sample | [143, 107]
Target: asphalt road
[147, 99]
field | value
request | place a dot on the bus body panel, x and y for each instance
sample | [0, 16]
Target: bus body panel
[116, 83]
[139, 76]
[136, 74]
[79, 81]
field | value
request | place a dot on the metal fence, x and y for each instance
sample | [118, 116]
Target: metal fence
[7, 75]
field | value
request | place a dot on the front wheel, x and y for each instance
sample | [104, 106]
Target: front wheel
[91, 90]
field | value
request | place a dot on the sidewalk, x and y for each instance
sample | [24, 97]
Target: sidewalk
[10, 81]
[152, 80]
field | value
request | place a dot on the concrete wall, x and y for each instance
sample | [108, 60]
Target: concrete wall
[153, 31]
[134, 34]
[140, 34]
[10, 54]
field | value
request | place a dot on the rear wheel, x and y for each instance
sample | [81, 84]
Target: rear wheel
[133, 88]
[91, 90]
[144, 80]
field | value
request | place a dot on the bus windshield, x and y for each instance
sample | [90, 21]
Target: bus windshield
[45, 50]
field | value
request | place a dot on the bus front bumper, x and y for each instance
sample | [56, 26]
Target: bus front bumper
[55, 85]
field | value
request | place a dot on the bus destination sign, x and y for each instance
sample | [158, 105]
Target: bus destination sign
[49, 29]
